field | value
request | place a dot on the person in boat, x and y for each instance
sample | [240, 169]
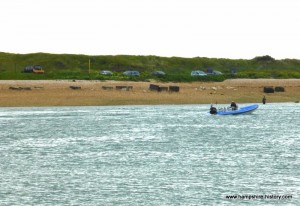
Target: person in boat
[264, 100]
[233, 105]
[213, 110]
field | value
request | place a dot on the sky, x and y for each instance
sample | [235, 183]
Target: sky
[235, 29]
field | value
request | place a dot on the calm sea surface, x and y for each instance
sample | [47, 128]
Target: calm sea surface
[149, 155]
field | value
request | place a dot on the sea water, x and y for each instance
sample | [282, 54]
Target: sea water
[149, 155]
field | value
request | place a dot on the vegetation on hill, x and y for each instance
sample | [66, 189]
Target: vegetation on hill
[71, 66]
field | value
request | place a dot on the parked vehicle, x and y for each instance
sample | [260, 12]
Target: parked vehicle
[34, 69]
[131, 73]
[233, 71]
[158, 73]
[216, 73]
[198, 73]
[106, 72]
[210, 71]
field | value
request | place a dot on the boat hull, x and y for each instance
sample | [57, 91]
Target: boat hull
[243, 110]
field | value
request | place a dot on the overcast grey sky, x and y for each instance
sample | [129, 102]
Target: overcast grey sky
[187, 28]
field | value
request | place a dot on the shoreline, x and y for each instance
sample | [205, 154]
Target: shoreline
[38, 93]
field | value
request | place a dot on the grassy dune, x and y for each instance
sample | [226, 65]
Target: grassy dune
[178, 69]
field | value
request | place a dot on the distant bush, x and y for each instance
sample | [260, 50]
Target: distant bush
[265, 58]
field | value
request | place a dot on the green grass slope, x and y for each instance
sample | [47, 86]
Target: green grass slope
[71, 66]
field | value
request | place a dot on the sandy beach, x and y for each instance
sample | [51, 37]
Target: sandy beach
[15, 93]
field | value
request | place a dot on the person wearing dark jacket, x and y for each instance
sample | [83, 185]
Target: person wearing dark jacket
[264, 100]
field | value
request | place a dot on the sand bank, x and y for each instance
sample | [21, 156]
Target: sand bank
[59, 93]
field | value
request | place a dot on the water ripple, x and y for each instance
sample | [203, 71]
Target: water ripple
[148, 155]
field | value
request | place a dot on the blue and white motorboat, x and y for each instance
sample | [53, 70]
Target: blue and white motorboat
[242, 110]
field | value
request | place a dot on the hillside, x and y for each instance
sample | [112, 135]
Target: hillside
[71, 66]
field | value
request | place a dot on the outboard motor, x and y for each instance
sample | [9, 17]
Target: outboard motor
[213, 110]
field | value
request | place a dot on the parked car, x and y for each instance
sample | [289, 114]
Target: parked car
[198, 73]
[131, 73]
[158, 73]
[217, 72]
[106, 72]
[233, 71]
[34, 69]
[214, 72]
